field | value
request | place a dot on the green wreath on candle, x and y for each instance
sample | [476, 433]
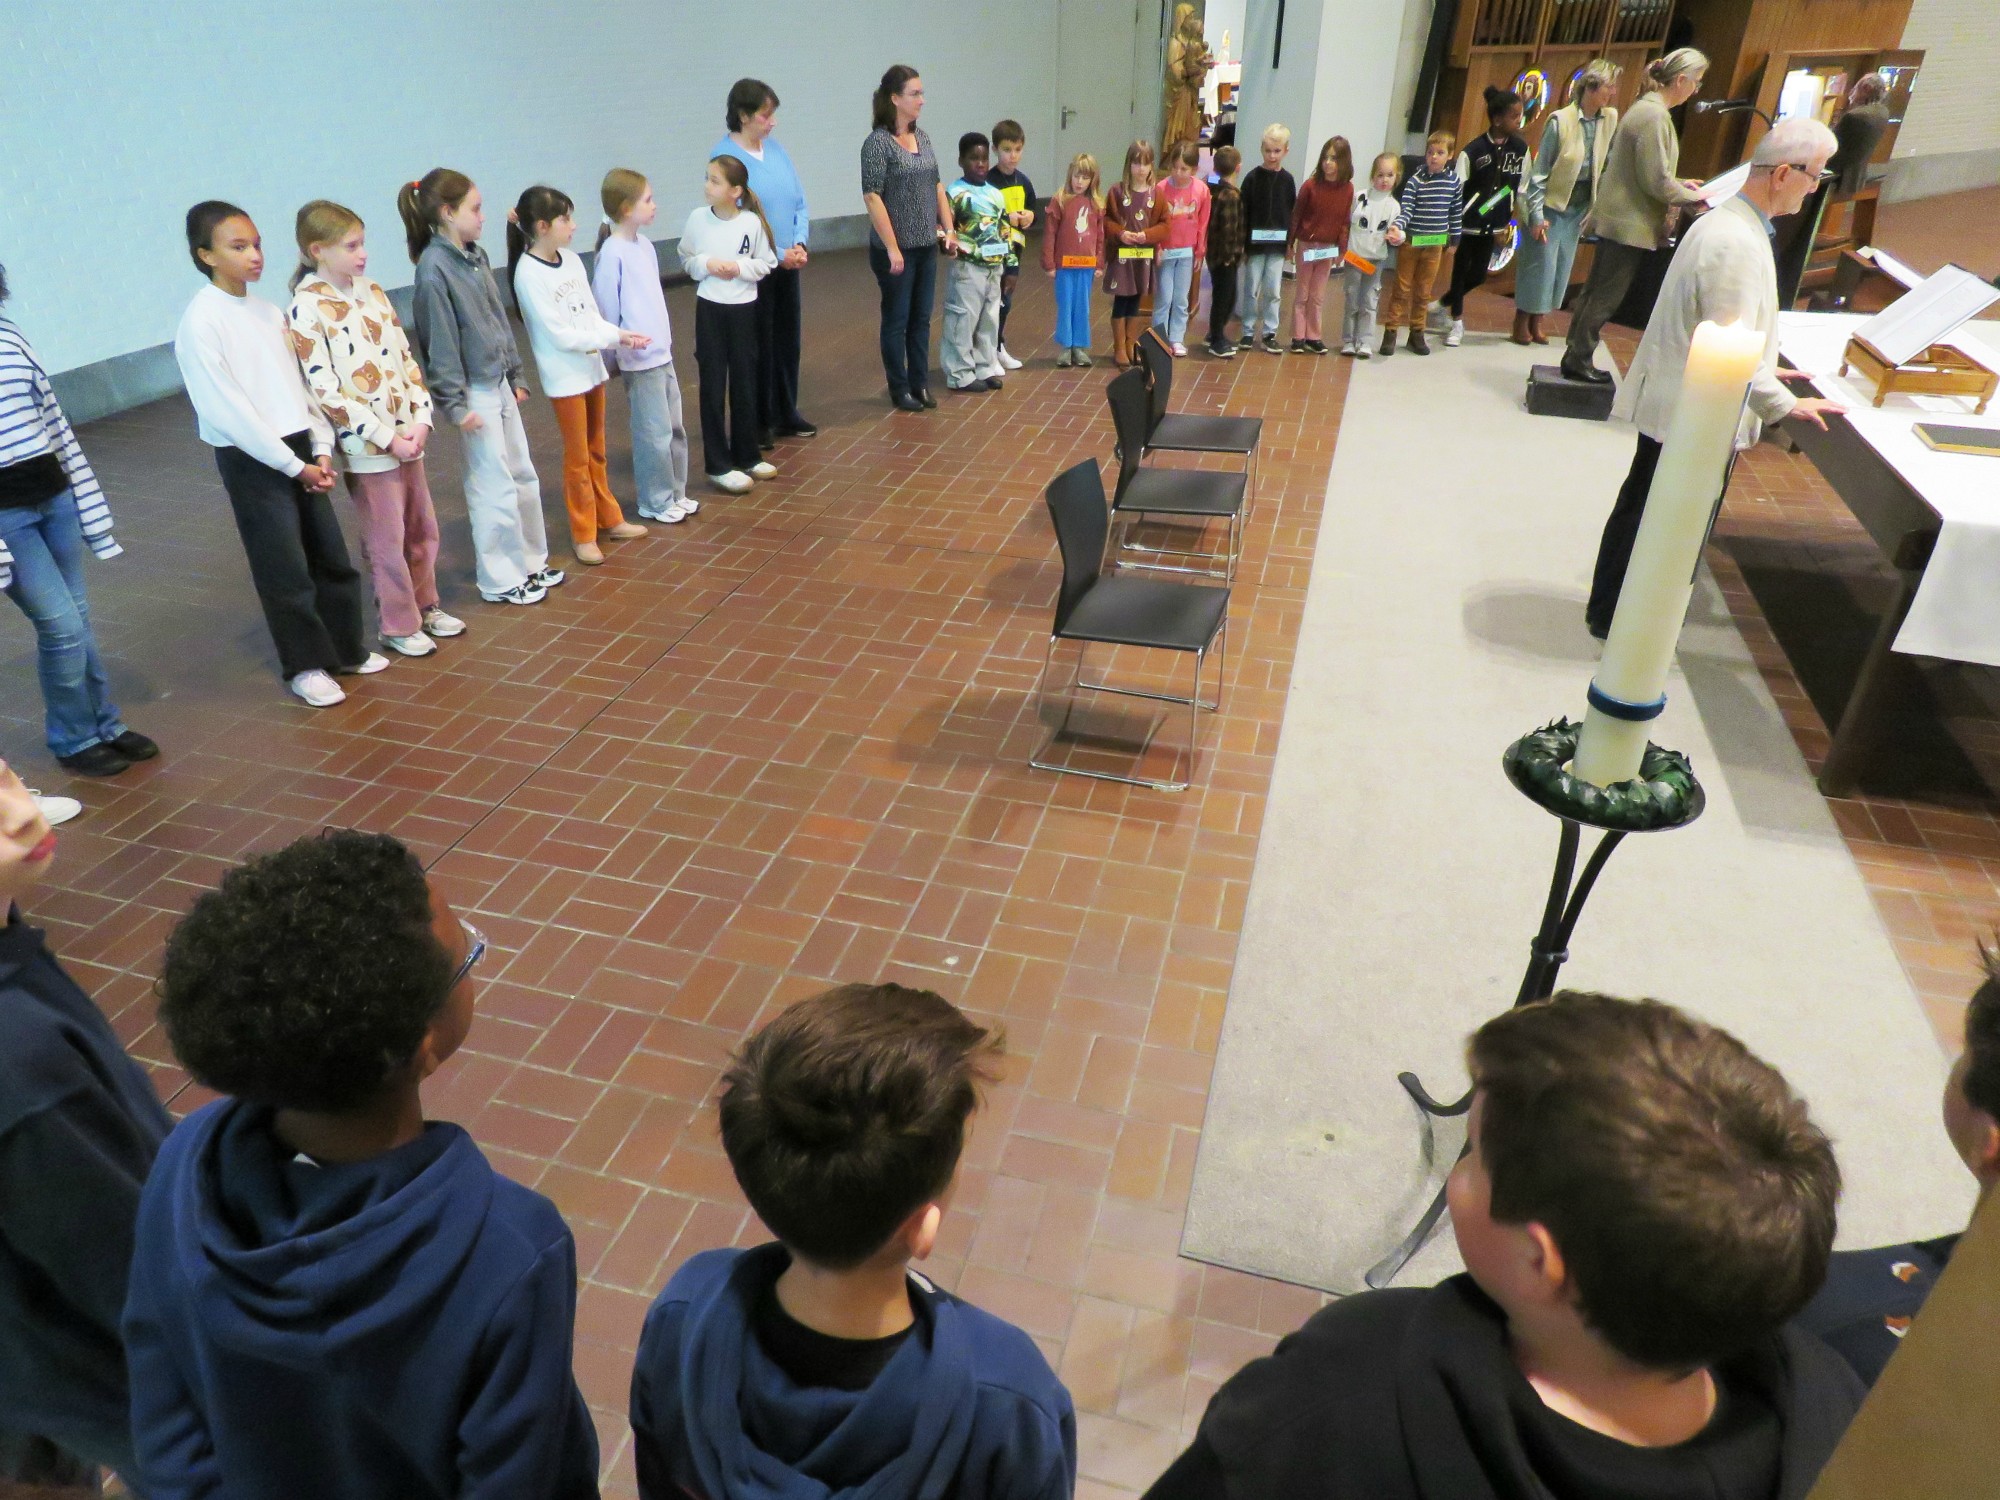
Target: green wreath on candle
[1665, 793]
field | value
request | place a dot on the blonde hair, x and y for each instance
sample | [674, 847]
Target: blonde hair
[622, 188]
[1083, 162]
[320, 222]
[1395, 165]
[1442, 138]
[1664, 72]
[1596, 73]
[1282, 134]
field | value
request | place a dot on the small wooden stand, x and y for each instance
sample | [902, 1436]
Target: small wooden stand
[1941, 370]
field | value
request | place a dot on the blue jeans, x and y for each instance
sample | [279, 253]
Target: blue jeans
[1172, 288]
[1073, 306]
[906, 316]
[1541, 270]
[1263, 289]
[47, 543]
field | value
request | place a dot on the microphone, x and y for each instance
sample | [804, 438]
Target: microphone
[1731, 107]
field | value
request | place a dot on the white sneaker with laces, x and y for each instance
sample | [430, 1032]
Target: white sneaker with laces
[317, 689]
[546, 578]
[1456, 334]
[410, 645]
[372, 663]
[689, 504]
[442, 625]
[1007, 361]
[673, 515]
[735, 482]
[761, 470]
[522, 593]
[56, 811]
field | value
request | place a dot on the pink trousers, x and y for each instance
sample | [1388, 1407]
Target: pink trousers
[1308, 292]
[399, 537]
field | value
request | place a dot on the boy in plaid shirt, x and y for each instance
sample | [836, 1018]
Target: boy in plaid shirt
[1225, 250]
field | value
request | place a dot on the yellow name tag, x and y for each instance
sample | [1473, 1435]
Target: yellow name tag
[1135, 252]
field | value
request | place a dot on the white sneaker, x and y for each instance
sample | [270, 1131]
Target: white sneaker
[372, 663]
[689, 504]
[546, 578]
[410, 645]
[735, 482]
[1180, 351]
[442, 625]
[673, 515]
[762, 470]
[1456, 334]
[522, 593]
[55, 810]
[1007, 361]
[1362, 351]
[317, 689]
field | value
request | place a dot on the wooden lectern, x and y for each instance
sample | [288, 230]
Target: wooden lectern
[1941, 370]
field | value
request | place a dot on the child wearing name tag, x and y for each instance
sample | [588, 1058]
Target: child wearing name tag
[1368, 225]
[1269, 196]
[1225, 250]
[1135, 225]
[970, 348]
[1177, 289]
[1072, 246]
[1319, 238]
[1426, 225]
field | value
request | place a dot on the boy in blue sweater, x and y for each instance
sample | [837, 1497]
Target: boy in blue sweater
[822, 1364]
[331, 1296]
[1429, 223]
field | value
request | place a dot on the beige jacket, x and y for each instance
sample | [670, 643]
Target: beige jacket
[1639, 184]
[1722, 272]
[359, 367]
[1567, 123]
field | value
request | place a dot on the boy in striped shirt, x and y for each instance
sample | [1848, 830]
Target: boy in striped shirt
[1429, 223]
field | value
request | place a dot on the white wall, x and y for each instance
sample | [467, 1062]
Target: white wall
[1337, 74]
[120, 114]
[1957, 103]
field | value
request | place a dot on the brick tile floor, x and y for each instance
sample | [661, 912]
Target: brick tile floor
[780, 746]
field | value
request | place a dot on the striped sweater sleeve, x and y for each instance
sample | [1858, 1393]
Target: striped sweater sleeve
[32, 422]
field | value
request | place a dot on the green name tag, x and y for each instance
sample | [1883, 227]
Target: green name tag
[1428, 241]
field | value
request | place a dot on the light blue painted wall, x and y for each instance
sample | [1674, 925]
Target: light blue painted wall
[120, 113]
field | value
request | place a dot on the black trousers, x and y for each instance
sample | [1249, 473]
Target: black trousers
[310, 592]
[1221, 301]
[725, 351]
[1621, 530]
[778, 337]
[1612, 268]
[1468, 268]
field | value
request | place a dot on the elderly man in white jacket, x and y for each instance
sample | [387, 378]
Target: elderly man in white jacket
[1723, 272]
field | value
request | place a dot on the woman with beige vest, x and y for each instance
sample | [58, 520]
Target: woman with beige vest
[1562, 182]
[1635, 195]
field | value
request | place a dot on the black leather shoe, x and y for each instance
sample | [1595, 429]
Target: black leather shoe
[1588, 374]
[134, 746]
[930, 401]
[994, 382]
[99, 759]
[908, 402]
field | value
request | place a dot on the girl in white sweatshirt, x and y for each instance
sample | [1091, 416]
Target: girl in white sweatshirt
[569, 337]
[726, 249]
[274, 451]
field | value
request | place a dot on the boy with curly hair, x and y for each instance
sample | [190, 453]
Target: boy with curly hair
[332, 1296]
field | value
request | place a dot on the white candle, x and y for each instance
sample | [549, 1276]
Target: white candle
[1679, 509]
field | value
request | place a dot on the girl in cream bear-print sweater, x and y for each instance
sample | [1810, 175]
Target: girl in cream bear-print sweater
[360, 368]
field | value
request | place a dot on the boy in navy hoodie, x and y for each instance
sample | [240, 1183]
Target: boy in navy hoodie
[331, 1296]
[79, 1126]
[823, 1365]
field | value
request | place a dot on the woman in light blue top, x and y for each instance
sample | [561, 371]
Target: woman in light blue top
[752, 115]
[1556, 198]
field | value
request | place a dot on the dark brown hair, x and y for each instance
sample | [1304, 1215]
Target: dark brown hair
[1009, 130]
[1982, 1038]
[737, 175]
[1227, 160]
[884, 102]
[1343, 160]
[748, 96]
[1691, 1197]
[419, 203]
[847, 1114]
[202, 221]
[539, 204]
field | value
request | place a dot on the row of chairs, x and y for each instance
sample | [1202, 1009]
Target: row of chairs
[1097, 607]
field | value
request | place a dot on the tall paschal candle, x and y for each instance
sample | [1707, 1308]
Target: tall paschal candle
[1629, 690]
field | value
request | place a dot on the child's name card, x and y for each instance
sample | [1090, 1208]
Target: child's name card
[1356, 263]
[1268, 236]
[1320, 252]
[1428, 241]
[1079, 262]
[1135, 252]
[1178, 252]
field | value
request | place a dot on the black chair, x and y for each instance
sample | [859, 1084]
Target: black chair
[1116, 611]
[1188, 432]
[1189, 494]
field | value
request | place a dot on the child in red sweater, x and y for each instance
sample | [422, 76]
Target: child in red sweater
[1175, 290]
[1319, 235]
[1072, 245]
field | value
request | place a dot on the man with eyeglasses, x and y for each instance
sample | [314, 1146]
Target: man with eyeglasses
[1723, 272]
[331, 1295]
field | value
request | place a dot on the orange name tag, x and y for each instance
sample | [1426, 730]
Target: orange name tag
[1365, 267]
[1077, 262]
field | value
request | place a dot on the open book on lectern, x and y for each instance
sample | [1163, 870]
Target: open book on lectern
[1930, 311]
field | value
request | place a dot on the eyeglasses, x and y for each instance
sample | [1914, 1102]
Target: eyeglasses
[475, 950]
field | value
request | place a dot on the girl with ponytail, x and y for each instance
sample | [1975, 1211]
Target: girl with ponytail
[474, 368]
[726, 250]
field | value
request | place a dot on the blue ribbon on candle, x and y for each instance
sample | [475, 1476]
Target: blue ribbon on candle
[1619, 708]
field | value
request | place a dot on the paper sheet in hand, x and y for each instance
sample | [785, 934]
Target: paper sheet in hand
[1926, 313]
[1728, 185]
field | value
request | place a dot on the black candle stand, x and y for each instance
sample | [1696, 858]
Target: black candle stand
[1665, 795]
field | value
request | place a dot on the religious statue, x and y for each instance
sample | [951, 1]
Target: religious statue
[1188, 64]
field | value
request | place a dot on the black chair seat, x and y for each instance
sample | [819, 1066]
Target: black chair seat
[1185, 432]
[1123, 611]
[1184, 492]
